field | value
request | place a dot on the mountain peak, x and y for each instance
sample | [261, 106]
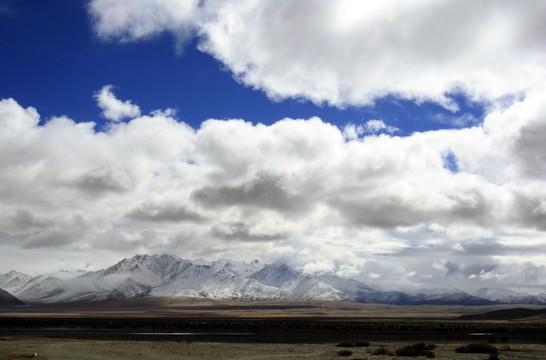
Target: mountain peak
[13, 279]
[168, 275]
[278, 275]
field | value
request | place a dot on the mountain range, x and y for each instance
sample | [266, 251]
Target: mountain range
[171, 276]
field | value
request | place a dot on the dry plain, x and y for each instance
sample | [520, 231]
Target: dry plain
[207, 329]
[167, 350]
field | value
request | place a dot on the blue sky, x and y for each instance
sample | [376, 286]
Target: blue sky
[395, 142]
[55, 63]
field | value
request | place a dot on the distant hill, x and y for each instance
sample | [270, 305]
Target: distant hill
[505, 314]
[170, 276]
[8, 300]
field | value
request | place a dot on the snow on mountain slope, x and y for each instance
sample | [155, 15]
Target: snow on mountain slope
[13, 279]
[254, 290]
[39, 288]
[220, 279]
[129, 289]
[509, 297]
[195, 278]
[307, 287]
[453, 298]
[276, 275]
[149, 270]
[240, 268]
[132, 277]
[66, 274]
[352, 289]
[169, 276]
[156, 275]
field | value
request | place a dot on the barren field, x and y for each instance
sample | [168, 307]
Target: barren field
[203, 329]
[193, 307]
[166, 350]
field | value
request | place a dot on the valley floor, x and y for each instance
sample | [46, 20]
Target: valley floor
[165, 350]
[202, 329]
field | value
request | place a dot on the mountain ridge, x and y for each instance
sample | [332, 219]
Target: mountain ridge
[170, 276]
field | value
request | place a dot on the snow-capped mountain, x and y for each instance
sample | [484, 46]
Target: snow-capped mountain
[218, 279]
[506, 296]
[13, 279]
[280, 276]
[170, 276]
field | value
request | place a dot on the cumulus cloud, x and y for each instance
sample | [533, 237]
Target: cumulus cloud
[375, 126]
[464, 120]
[128, 20]
[164, 213]
[113, 108]
[530, 147]
[350, 52]
[297, 190]
[240, 231]
[353, 132]
[47, 240]
[263, 192]
[22, 220]
[434, 207]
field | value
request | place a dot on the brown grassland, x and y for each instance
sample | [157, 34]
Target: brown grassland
[205, 329]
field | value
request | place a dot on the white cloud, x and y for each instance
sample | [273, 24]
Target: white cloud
[353, 132]
[295, 190]
[350, 52]
[354, 201]
[458, 247]
[113, 108]
[14, 118]
[375, 126]
[129, 20]
[464, 120]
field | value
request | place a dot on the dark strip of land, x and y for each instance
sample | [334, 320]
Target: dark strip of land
[285, 330]
[505, 314]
